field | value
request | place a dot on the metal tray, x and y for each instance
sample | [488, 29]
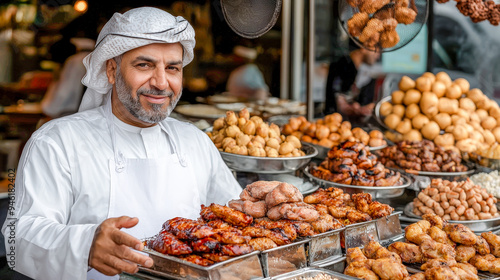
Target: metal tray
[311, 272]
[174, 268]
[483, 275]
[450, 176]
[267, 164]
[305, 186]
[480, 161]
[323, 151]
[324, 247]
[376, 192]
[283, 259]
[474, 225]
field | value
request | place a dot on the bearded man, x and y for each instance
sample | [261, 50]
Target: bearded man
[91, 185]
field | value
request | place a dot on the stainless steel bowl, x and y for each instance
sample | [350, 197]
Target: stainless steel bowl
[474, 225]
[378, 117]
[450, 176]
[269, 165]
[376, 192]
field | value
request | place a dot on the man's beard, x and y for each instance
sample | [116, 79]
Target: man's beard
[133, 105]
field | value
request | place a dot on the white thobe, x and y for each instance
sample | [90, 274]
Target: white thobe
[62, 187]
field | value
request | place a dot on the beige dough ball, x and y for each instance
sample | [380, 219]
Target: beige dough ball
[429, 104]
[445, 140]
[398, 110]
[412, 135]
[489, 138]
[404, 126]
[467, 104]
[430, 76]
[412, 96]
[443, 120]
[453, 92]
[463, 84]
[412, 110]
[385, 109]
[447, 105]
[494, 112]
[419, 121]
[406, 83]
[460, 132]
[496, 133]
[397, 97]
[423, 84]
[474, 117]
[444, 77]
[489, 123]
[439, 88]
[477, 136]
[430, 130]
[456, 120]
[392, 121]
[475, 95]
[482, 114]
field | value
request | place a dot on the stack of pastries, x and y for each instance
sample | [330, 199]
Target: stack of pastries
[448, 251]
[351, 163]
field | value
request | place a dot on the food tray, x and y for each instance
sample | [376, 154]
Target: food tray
[483, 275]
[305, 186]
[324, 247]
[475, 225]
[267, 164]
[283, 259]
[480, 161]
[311, 272]
[172, 267]
[323, 151]
[450, 176]
[359, 234]
[376, 192]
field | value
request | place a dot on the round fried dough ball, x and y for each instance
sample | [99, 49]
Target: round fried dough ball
[219, 123]
[392, 121]
[419, 121]
[489, 123]
[412, 110]
[398, 110]
[463, 84]
[294, 141]
[430, 130]
[444, 77]
[412, 96]
[405, 84]
[385, 109]
[423, 84]
[445, 140]
[285, 148]
[413, 135]
[443, 120]
[404, 126]
[439, 88]
[431, 76]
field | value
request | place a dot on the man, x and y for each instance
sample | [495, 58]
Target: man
[346, 76]
[119, 163]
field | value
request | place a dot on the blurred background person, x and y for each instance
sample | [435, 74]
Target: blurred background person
[351, 83]
[247, 81]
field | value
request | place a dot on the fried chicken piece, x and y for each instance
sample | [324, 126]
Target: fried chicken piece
[205, 245]
[255, 209]
[278, 237]
[236, 204]
[389, 269]
[207, 214]
[439, 235]
[220, 224]
[391, 179]
[325, 223]
[417, 232]
[362, 201]
[245, 196]
[409, 253]
[187, 229]
[460, 234]
[215, 257]
[359, 180]
[405, 15]
[464, 253]
[355, 255]
[234, 250]
[416, 276]
[437, 263]
[283, 193]
[287, 226]
[435, 250]
[167, 243]
[371, 248]
[493, 242]
[262, 243]
[228, 236]
[198, 260]
[340, 212]
[303, 228]
[297, 211]
[231, 216]
[467, 267]
[378, 210]
[383, 253]
[434, 219]
[361, 270]
[440, 273]
[321, 208]
[464, 274]
[355, 216]
[316, 197]
[484, 263]
[259, 189]
[482, 246]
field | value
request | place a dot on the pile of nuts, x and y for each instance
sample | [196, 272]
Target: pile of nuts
[251, 136]
[456, 201]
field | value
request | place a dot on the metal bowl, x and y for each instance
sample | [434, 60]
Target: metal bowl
[323, 151]
[480, 161]
[450, 176]
[474, 225]
[376, 192]
[267, 164]
[378, 117]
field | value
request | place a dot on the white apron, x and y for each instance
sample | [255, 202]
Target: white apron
[154, 190]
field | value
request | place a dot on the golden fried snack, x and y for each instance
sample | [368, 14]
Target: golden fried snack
[371, 6]
[405, 15]
[389, 39]
[356, 24]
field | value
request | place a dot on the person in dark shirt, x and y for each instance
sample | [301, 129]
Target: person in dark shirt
[342, 94]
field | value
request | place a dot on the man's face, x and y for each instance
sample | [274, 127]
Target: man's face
[148, 82]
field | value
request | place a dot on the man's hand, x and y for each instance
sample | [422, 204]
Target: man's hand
[111, 251]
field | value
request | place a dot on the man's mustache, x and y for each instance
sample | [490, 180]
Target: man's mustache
[155, 92]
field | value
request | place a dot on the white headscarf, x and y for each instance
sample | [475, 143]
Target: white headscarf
[124, 32]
